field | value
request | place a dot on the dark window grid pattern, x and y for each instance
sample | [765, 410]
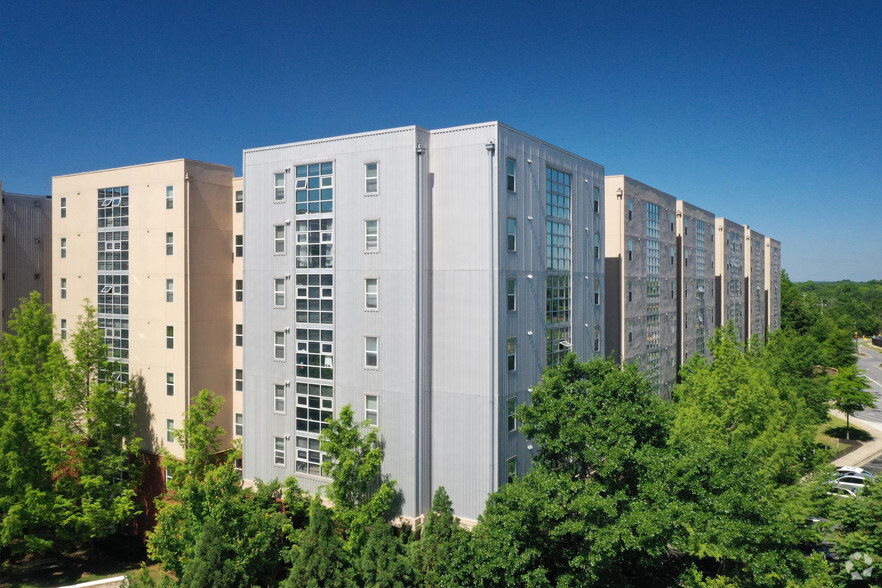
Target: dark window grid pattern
[116, 337]
[113, 207]
[113, 250]
[652, 289]
[315, 354]
[315, 244]
[315, 405]
[314, 188]
[557, 193]
[653, 253]
[652, 229]
[315, 299]
[558, 248]
[554, 350]
[557, 299]
[309, 456]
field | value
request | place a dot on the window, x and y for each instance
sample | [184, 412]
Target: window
[239, 290]
[169, 337]
[169, 197]
[630, 331]
[511, 226]
[371, 352]
[512, 468]
[309, 456]
[371, 409]
[279, 451]
[315, 405]
[510, 295]
[64, 328]
[239, 424]
[596, 199]
[315, 298]
[630, 291]
[169, 384]
[279, 292]
[279, 186]
[63, 208]
[673, 253]
[315, 243]
[510, 167]
[240, 245]
[170, 430]
[279, 239]
[630, 249]
[239, 334]
[596, 291]
[169, 243]
[371, 236]
[510, 348]
[239, 201]
[596, 245]
[169, 290]
[370, 293]
[370, 178]
[596, 338]
[279, 345]
[63, 247]
[511, 407]
[279, 398]
[239, 379]
[314, 188]
[64, 287]
[630, 208]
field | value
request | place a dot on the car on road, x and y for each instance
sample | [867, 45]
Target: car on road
[855, 471]
[843, 492]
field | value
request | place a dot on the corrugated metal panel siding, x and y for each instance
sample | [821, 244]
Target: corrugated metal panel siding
[27, 249]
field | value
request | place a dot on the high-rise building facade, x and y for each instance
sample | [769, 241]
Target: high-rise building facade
[695, 242]
[26, 260]
[151, 247]
[773, 284]
[424, 278]
[754, 284]
[730, 260]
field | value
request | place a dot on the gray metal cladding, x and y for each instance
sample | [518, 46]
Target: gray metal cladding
[27, 249]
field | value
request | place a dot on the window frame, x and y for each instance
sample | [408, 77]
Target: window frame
[238, 379]
[169, 383]
[169, 197]
[169, 243]
[279, 187]
[169, 289]
[63, 288]
[169, 336]
[511, 234]
[239, 290]
[238, 424]
[372, 415]
[371, 355]
[511, 168]
[239, 245]
[511, 294]
[372, 179]
[238, 201]
[62, 207]
[280, 297]
[511, 353]
[239, 335]
[279, 346]
[170, 430]
[280, 402]
[511, 404]
[372, 241]
[63, 329]
[280, 234]
[371, 299]
[63, 248]
[279, 451]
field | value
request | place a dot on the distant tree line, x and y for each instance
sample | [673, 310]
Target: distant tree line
[853, 306]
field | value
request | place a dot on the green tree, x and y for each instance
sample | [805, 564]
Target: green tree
[850, 394]
[856, 529]
[66, 436]
[320, 560]
[436, 554]
[213, 563]
[383, 561]
[358, 491]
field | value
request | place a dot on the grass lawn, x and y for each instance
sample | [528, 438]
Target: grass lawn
[832, 434]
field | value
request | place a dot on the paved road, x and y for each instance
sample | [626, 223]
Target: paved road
[870, 361]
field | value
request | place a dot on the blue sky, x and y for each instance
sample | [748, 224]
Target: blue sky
[768, 113]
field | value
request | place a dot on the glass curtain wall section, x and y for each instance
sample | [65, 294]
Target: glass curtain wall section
[652, 290]
[113, 276]
[700, 286]
[314, 313]
[558, 258]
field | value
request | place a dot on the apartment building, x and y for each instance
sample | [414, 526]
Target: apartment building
[151, 247]
[773, 284]
[730, 278]
[238, 386]
[26, 227]
[424, 277]
[641, 272]
[754, 284]
[696, 283]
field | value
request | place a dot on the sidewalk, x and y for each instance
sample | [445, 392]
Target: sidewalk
[868, 450]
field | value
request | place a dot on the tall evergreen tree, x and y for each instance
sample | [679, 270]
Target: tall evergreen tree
[320, 561]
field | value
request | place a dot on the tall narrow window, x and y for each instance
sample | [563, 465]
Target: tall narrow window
[169, 243]
[279, 451]
[630, 208]
[279, 239]
[169, 197]
[279, 345]
[239, 290]
[511, 352]
[630, 331]
[169, 290]
[169, 337]
[240, 245]
[370, 178]
[169, 384]
[64, 328]
[510, 294]
[596, 291]
[596, 245]
[511, 466]
[239, 201]
[170, 430]
[239, 379]
[511, 408]
[240, 424]
[280, 186]
[64, 287]
[370, 293]
[279, 398]
[371, 236]
[62, 208]
[63, 248]
[630, 291]
[596, 199]
[371, 352]
[511, 234]
[630, 249]
[279, 292]
[240, 335]
[510, 167]
[596, 338]
[371, 409]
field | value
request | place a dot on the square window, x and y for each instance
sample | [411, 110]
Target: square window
[239, 379]
[169, 243]
[239, 201]
[510, 294]
[371, 236]
[279, 239]
[370, 293]
[169, 197]
[239, 290]
[169, 384]
[279, 186]
[63, 248]
[279, 398]
[239, 424]
[510, 167]
[371, 178]
[240, 245]
[279, 345]
[240, 335]
[279, 292]
[371, 409]
[279, 451]
[169, 290]
[511, 237]
[510, 350]
[169, 337]
[170, 430]
[371, 349]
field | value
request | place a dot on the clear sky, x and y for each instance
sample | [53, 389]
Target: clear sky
[768, 113]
